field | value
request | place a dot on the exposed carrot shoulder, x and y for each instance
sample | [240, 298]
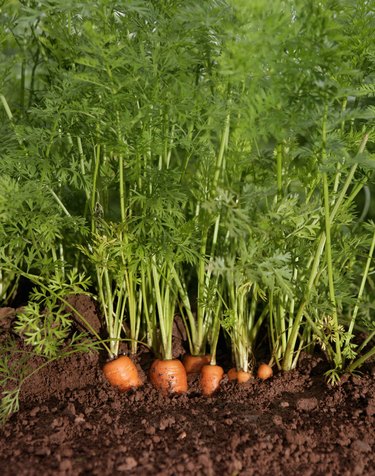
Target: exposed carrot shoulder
[232, 374]
[210, 378]
[243, 377]
[169, 376]
[122, 373]
[264, 371]
[194, 363]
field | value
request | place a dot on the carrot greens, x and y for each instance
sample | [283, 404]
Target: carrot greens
[212, 159]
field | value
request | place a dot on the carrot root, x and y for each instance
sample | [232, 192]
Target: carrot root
[210, 379]
[232, 374]
[243, 377]
[122, 373]
[240, 376]
[193, 363]
[264, 371]
[169, 376]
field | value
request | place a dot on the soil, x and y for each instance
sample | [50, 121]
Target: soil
[71, 422]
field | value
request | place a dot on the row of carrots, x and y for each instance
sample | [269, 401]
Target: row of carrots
[170, 376]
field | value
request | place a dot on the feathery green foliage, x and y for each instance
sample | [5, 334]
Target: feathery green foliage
[215, 158]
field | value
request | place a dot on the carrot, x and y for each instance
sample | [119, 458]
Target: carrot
[232, 374]
[194, 363]
[169, 376]
[210, 378]
[243, 376]
[264, 371]
[122, 373]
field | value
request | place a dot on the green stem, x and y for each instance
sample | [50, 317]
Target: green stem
[365, 342]
[331, 285]
[132, 306]
[148, 312]
[13, 126]
[122, 188]
[220, 157]
[165, 326]
[95, 184]
[64, 209]
[6, 107]
[113, 334]
[279, 169]
[288, 357]
[348, 180]
[22, 86]
[199, 331]
[186, 303]
[361, 360]
[215, 333]
[338, 166]
[360, 292]
[281, 320]
[203, 278]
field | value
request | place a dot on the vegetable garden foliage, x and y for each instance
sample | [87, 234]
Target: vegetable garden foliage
[212, 158]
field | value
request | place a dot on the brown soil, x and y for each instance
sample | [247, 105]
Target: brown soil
[71, 422]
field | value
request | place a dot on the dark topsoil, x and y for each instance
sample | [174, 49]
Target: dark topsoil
[71, 422]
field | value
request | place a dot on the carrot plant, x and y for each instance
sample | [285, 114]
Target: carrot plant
[208, 158]
[317, 149]
[165, 239]
[202, 314]
[117, 284]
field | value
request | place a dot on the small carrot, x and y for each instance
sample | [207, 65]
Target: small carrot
[210, 379]
[122, 373]
[264, 371]
[232, 374]
[169, 376]
[243, 377]
[194, 363]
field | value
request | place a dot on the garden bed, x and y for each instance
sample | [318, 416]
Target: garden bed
[72, 422]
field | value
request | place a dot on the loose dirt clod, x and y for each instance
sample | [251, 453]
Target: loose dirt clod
[307, 404]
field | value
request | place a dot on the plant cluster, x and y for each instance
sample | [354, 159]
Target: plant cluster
[212, 159]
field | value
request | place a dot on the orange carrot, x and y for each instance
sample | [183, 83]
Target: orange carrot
[169, 376]
[264, 371]
[232, 374]
[122, 373]
[194, 363]
[243, 377]
[210, 379]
